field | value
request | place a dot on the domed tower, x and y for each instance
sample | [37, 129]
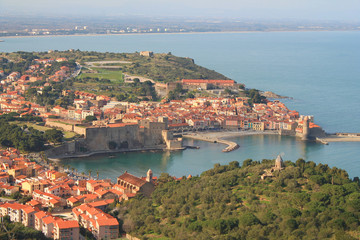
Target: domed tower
[149, 176]
[279, 164]
[306, 130]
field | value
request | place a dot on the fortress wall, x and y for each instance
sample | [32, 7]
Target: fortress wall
[153, 133]
[317, 132]
[65, 127]
[97, 139]
[68, 147]
[80, 130]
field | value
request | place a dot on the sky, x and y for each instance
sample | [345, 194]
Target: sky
[339, 10]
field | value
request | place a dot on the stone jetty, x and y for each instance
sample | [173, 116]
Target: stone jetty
[231, 146]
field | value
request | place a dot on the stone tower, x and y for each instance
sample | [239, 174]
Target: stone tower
[279, 164]
[149, 176]
[306, 130]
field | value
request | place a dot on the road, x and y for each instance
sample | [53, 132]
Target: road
[76, 72]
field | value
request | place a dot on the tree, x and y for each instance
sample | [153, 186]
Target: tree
[227, 91]
[90, 118]
[248, 219]
[54, 135]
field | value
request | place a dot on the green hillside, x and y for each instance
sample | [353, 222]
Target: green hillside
[161, 67]
[303, 201]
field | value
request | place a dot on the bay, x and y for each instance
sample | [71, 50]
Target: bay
[195, 161]
[319, 70]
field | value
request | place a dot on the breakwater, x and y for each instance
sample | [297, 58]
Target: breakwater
[231, 146]
[340, 137]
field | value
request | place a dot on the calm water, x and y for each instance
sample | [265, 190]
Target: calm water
[320, 70]
[192, 161]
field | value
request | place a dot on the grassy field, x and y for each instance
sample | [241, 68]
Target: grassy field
[29, 124]
[67, 135]
[112, 74]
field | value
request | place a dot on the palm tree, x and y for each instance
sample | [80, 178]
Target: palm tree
[97, 175]
[90, 173]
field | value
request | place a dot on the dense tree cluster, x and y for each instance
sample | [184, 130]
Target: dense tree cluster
[255, 96]
[23, 138]
[22, 63]
[303, 201]
[9, 231]
[13, 116]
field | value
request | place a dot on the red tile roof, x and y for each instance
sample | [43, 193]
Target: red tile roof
[127, 177]
[67, 224]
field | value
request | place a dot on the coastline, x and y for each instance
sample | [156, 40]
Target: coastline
[222, 137]
[105, 152]
[128, 34]
[215, 137]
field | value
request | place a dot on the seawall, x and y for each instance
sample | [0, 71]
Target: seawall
[340, 137]
[231, 146]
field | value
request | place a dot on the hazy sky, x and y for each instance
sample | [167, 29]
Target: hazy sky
[343, 10]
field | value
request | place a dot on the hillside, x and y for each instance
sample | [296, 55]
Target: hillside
[302, 201]
[161, 67]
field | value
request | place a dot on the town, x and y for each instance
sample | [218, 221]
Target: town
[143, 124]
[101, 123]
[58, 203]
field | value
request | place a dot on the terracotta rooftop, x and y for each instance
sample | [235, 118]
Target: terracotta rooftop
[127, 177]
[108, 222]
[67, 224]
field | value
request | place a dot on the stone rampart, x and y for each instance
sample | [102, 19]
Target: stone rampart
[110, 138]
[64, 126]
[80, 130]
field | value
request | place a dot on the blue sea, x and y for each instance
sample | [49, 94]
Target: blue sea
[320, 71]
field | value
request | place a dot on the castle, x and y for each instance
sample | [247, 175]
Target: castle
[143, 135]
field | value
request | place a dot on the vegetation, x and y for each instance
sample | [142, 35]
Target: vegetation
[20, 62]
[104, 75]
[254, 96]
[23, 138]
[54, 135]
[26, 137]
[9, 231]
[160, 67]
[13, 116]
[103, 78]
[303, 201]
[50, 96]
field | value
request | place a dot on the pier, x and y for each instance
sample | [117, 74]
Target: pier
[231, 146]
[340, 137]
